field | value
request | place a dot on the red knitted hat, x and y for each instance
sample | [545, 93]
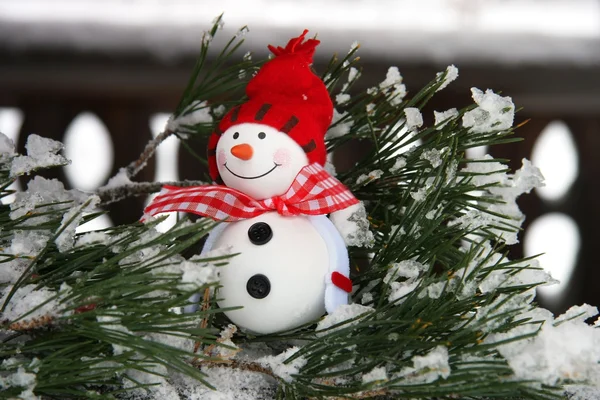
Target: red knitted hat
[285, 94]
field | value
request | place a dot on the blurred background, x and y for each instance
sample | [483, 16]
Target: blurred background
[102, 76]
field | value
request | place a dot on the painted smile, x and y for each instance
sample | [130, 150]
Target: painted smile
[252, 177]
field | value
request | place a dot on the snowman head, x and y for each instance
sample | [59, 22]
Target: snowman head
[259, 160]
[260, 146]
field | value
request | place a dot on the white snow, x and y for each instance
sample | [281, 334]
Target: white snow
[353, 74]
[487, 172]
[427, 368]
[366, 298]
[368, 178]
[565, 350]
[434, 290]
[398, 290]
[41, 153]
[353, 225]
[27, 298]
[343, 313]
[508, 189]
[195, 271]
[113, 323]
[227, 349]
[404, 269]
[284, 371]
[414, 119]
[89, 238]
[443, 117]
[7, 147]
[409, 271]
[230, 384]
[20, 378]
[342, 98]
[421, 193]
[494, 112]
[120, 179]
[196, 113]
[337, 128]
[451, 74]
[434, 156]
[392, 86]
[376, 374]
[578, 313]
[71, 220]
[398, 164]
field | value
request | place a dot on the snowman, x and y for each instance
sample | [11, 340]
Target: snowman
[273, 199]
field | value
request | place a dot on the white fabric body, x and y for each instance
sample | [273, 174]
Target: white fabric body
[298, 261]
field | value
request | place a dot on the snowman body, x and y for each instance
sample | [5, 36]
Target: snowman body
[281, 276]
[278, 275]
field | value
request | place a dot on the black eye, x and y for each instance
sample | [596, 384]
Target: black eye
[262, 135]
[236, 135]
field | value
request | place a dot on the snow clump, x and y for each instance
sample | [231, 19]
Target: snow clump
[343, 313]
[449, 76]
[338, 127]
[565, 349]
[409, 271]
[196, 113]
[393, 87]
[376, 374]
[414, 119]
[428, 368]
[443, 117]
[353, 226]
[284, 371]
[494, 112]
[41, 153]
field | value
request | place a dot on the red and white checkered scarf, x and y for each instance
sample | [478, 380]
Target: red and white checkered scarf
[313, 192]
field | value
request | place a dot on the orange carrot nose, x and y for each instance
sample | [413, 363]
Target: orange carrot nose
[242, 151]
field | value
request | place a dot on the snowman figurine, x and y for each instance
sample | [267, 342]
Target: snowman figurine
[273, 197]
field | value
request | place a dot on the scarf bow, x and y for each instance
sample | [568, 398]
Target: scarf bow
[313, 192]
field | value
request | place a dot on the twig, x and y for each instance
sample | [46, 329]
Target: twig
[136, 166]
[241, 365]
[114, 194]
[34, 323]
[204, 323]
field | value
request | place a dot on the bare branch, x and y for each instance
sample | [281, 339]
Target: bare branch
[136, 166]
[112, 195]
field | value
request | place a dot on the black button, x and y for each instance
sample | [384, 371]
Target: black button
[258, 286]
[260, 233]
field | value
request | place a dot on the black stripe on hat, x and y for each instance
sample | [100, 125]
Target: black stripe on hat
[290, 124]
[260, 114]
[234, 114]
[310, 146]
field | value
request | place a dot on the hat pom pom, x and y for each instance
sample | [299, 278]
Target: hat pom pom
[297, 46]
